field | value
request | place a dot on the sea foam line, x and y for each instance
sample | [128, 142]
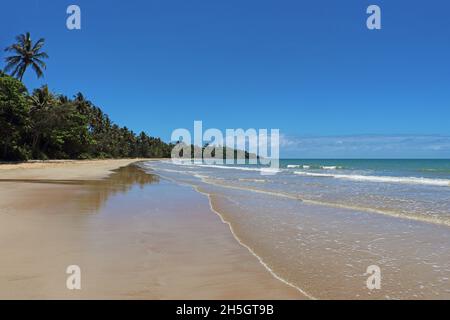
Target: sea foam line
[390, 213]
[260, 260]
[262, 169]
[387, 179]
[355, 177]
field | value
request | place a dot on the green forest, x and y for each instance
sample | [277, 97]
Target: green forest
[41, 124]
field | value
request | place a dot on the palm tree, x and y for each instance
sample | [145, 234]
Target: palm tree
[42, 101]
[63, 99]
[25, 54]
[42, 98]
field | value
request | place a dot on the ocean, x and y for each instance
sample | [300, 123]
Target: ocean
[414, 189]
[321, 223]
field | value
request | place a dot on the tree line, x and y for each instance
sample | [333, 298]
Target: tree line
[46, 125]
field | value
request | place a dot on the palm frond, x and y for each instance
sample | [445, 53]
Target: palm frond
[21, 38]
[16, 70]
[22, 69]
[13, 59]
[37, 69]
[40, 63]
[41, 55]
[38, 45]
[26, 54]
[9, 67]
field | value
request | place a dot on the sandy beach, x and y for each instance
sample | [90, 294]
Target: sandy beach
[134, 236]
[142, 229]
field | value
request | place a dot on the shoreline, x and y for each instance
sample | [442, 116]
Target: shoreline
[324, 251]
[236, 237]
[261, 261]
[90, 210]
[158, 235]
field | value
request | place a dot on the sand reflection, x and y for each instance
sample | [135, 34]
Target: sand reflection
[89, 196]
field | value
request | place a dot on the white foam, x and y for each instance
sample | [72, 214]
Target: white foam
[314, 174]
[265, 170]
[386, 179]
[252, 180]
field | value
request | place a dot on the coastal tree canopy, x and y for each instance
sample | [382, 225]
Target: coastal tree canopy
[14, 119]
[46, 125]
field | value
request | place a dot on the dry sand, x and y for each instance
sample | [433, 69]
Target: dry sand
[133, 235]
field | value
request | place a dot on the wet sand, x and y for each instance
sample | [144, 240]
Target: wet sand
[326, 251]
[134, 236]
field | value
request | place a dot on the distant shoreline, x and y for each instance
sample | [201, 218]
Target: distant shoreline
[36, 164]
[76, 160]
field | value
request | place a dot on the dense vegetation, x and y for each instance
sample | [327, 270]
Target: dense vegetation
[45, 125]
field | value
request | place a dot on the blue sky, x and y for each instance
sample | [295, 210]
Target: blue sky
[310, 68]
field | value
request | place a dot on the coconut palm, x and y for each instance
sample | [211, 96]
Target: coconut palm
[42, 101]
[42, 98]
[25, 54]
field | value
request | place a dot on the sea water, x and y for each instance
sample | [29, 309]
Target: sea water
[318, 224]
